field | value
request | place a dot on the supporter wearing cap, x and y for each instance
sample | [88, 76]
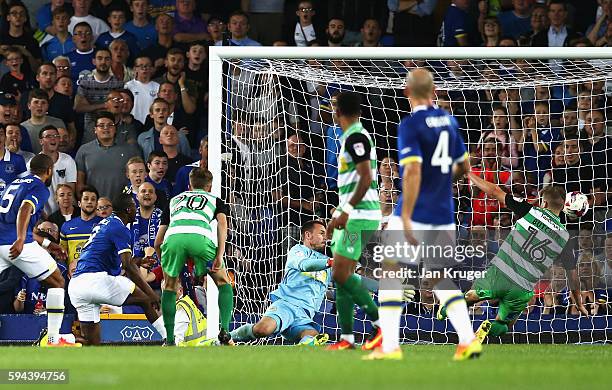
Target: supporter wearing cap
[8, 105]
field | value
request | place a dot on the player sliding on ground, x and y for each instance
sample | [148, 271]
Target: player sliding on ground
[21, 205]
[300, 293]
[298, 296]
[190, 235]
[97, 281]
[356, 218]
[431, 153]
[537, 241]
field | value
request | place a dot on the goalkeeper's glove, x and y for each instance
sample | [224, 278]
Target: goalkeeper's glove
[408, 295]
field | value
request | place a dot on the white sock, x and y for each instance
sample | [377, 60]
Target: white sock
[348, 337]
[457, 313]
[389, 313]
[159, 327]
[55, 312]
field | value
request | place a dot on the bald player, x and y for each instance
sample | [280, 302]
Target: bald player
[431, 154]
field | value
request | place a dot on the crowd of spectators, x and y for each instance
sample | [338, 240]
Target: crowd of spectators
[116, 92]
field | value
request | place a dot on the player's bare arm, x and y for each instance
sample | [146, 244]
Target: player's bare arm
[461, 169]
[132, 272]
[221, 238]
[57, 250]
[364, 170]
[411, 184]
[23, 218]
[489, 188]
[159, 239]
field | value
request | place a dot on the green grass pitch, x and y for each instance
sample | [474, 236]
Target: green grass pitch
[521, 367]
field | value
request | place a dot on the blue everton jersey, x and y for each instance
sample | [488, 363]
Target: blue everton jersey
[109, 239]
[28, 189]
[36, 291]
[305, 289]
[144, 232]
[11, 167]
[431, 136]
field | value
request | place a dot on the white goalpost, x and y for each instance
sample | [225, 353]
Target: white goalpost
[261, 96]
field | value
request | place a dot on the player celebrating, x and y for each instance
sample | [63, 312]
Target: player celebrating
[97, 281]
[537, 240]
[20, 208]
[431, 152]
[356, 218]
[189, 234]
[299, 295]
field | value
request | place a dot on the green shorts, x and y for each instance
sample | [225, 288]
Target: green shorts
[177, 248]
[350, 241]
[512, 298]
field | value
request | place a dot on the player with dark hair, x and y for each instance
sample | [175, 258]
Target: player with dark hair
[537, 241]
[97, 280]
[299, 295]
[356, 218]
[20, 208]
[76, 232]
[190, 235]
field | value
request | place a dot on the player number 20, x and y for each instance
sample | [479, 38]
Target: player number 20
[194, 202]
[441, 157]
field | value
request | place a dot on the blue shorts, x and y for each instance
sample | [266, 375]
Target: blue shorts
[291, 320]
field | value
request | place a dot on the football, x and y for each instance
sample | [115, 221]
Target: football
[576, 204]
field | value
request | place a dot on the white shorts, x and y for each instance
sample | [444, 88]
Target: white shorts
[424, 233]
[33, 261]
[91, 290]
[396, 223]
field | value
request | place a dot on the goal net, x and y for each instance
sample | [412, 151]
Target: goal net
[528, 118]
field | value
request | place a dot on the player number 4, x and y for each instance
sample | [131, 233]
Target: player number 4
[440, 157]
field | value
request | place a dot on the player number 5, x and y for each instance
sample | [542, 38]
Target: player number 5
[9, 197]
[440, 156]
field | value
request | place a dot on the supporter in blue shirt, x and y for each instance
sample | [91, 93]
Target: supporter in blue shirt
[332, 149]
[516, 22]
[157, 163]
[181, 180]
[81, 59]
[44, 15]
[143, 30]
[116, 21]
[61, 42]
[11, 165]
[33, 293]
[145, 226]
[457, 28]
[239, 26]
[540, 139]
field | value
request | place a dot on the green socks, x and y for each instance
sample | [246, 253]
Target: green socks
[347, 295]
[226, 305]
[498, 328]
[344, 307]
[361, 296]
[168, 306]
